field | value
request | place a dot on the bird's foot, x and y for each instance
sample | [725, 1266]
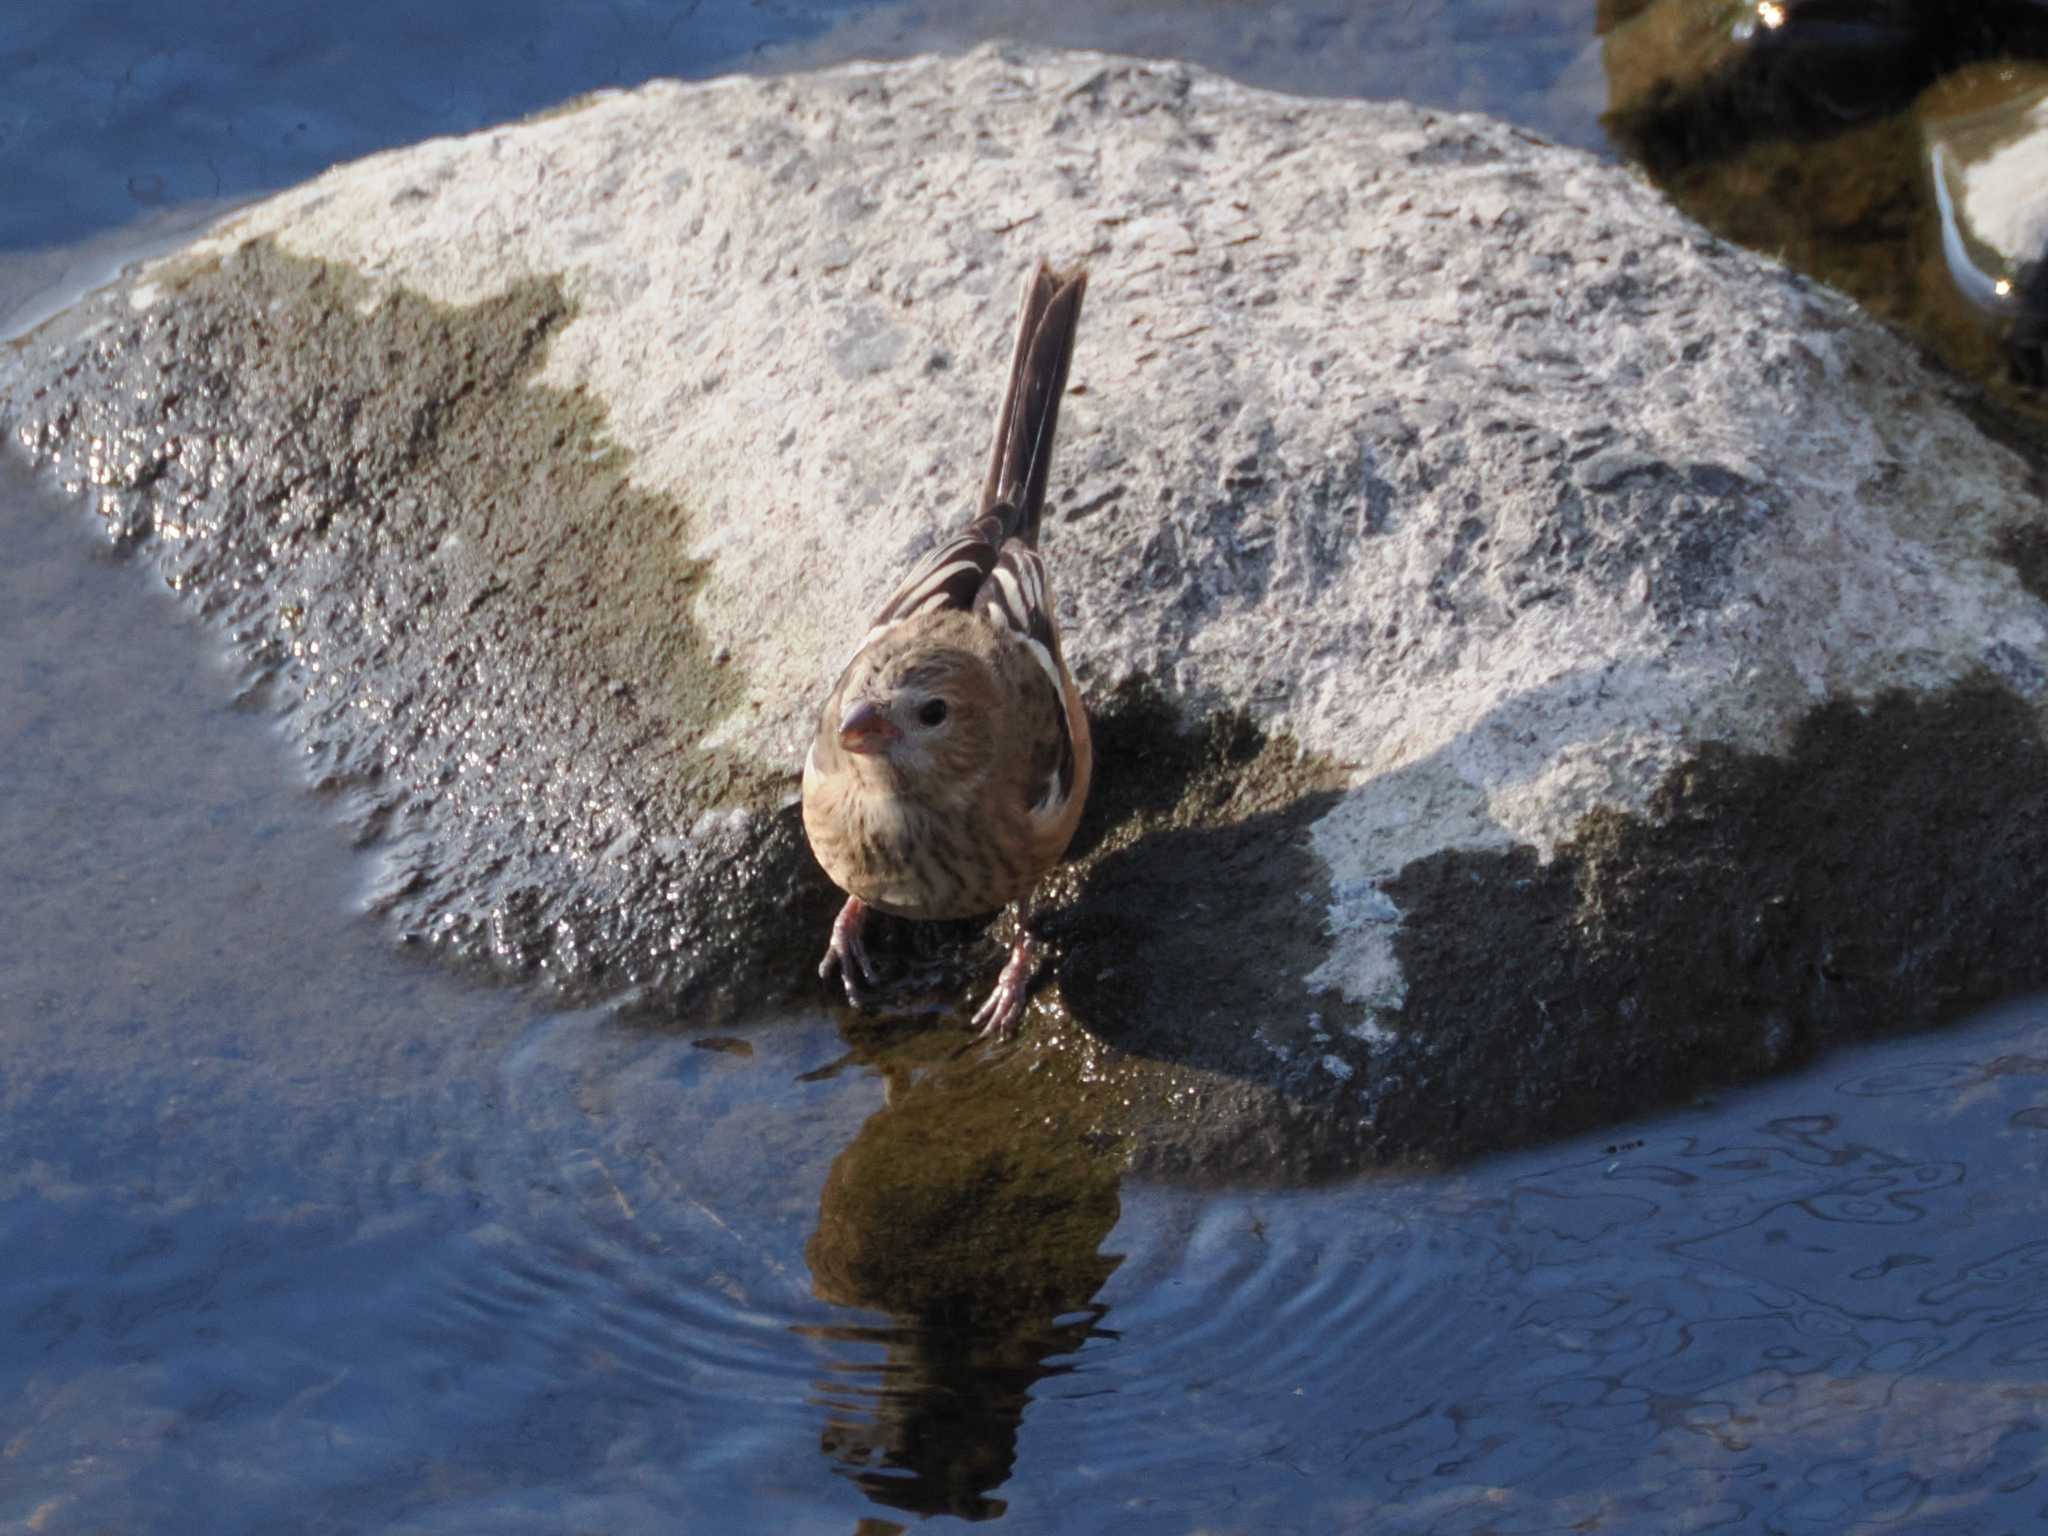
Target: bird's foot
[848, 955]
[1000, 1012]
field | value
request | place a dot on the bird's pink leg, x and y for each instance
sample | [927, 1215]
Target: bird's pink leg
[998, 1015]
[846, 954]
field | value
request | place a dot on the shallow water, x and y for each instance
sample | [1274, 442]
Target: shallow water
[308, 1234]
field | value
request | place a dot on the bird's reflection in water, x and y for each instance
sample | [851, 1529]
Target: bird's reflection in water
[974, 1229]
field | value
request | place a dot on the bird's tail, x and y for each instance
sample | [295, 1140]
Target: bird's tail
[1022, 457]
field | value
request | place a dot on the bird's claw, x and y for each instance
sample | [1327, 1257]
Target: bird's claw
[1003, 1008]
[847, 953]
[1000, 1012]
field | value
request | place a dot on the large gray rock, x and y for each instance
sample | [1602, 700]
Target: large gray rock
[1545, 658]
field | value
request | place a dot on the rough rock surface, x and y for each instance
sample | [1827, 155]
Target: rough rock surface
[1544, 657]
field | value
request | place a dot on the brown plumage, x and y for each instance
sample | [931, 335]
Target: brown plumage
[952, 759]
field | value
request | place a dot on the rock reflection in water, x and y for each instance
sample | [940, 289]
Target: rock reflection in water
[1986, 133]
[1691, 82]
[1836, 135]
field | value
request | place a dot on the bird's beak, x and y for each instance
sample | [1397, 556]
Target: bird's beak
[865, 729]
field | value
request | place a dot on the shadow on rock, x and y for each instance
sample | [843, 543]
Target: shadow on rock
[1189, 901]
[1888, 873]
[1194, 899]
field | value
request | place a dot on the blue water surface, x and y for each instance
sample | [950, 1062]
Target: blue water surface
[114, 107]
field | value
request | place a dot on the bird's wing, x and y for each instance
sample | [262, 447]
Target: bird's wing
[951, 576]
[1016, 601]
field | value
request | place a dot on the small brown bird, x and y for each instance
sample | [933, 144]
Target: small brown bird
[952, 759]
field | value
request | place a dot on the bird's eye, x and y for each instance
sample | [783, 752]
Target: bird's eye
[934, 712]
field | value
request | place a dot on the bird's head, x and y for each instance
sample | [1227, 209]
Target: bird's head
[922, 717]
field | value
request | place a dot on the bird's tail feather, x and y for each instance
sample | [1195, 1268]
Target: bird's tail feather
[1022, 457]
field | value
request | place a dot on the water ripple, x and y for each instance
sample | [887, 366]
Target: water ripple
[1787, 1314]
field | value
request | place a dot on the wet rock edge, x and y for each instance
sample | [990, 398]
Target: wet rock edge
[438, 574]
